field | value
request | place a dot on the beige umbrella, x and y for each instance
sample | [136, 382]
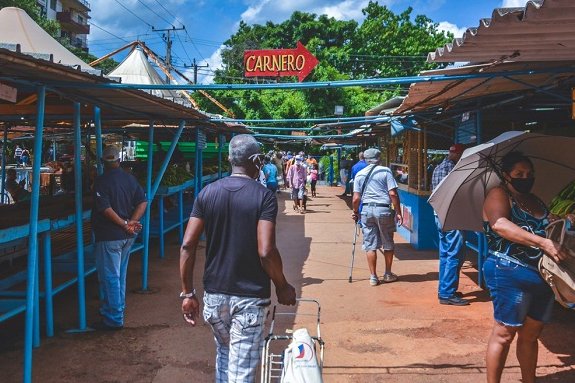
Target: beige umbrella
[458, 199]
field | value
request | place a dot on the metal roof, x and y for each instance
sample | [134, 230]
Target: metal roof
[24, 72]
[445, 94]
[544, 30]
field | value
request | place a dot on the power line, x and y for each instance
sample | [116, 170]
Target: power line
[108, 32]
[144, 21]
[154, 12]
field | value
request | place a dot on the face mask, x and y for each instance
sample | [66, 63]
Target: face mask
[298, 163]
[522, 185]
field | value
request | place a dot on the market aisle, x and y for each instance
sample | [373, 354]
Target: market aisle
[393, 333]
[399, 332]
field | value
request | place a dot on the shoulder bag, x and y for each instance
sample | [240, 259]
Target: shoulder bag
[560, 276]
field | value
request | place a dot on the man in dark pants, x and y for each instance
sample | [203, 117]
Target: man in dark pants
[119, 203]
[451, 256]
[238, 215]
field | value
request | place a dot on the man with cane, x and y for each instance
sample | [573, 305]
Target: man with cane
[375, 187]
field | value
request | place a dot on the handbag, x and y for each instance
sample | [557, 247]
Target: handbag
[560, 276]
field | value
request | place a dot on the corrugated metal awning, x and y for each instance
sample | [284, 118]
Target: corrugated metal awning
[426, 95]
[542, 31]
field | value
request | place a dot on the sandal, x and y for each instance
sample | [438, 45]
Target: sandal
[389, 277]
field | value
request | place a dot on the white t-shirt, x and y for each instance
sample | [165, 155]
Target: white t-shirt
[380, 182]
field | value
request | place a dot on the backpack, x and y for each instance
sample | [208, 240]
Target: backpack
[561, 277]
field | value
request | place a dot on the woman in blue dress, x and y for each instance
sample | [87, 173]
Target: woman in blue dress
[514, 223]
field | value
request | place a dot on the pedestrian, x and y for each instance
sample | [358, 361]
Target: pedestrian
[514, 224]
[270, 172]
[376, 189]
[451, 256]
[24, 156]
[18, 155]
[360, 164]
[238, 216]
[310, 161]
[313, 175]
[119, 203]
[278, 162]
[296, 179]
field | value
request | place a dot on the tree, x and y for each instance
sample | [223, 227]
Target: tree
[384, 45]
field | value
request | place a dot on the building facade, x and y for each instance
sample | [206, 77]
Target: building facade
[73, 16]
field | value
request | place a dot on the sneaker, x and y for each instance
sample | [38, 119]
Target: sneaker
[373, 280]
[390, 277]
[454, 300]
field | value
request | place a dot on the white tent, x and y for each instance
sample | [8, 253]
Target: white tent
[16, 27]
[136, 69]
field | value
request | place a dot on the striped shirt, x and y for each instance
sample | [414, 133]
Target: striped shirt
[18, 152]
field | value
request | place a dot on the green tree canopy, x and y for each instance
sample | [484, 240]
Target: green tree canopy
[383, 45]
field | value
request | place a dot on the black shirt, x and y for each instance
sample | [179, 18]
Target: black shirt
[121, 191]
[231, 209]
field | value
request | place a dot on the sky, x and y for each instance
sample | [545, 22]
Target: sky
[208, 23]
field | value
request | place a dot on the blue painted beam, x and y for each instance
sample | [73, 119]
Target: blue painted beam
[147, 216]
[286, 120]
[79, 213]
[33, 244]
[313, 85]
[3, 197]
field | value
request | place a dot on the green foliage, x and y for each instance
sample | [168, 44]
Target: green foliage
[384, 45]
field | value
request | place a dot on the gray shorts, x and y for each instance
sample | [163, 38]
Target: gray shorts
[377, 226]
[297, 193]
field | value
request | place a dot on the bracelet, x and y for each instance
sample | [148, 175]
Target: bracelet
[188, 295]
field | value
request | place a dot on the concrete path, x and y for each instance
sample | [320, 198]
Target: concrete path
[390, 333]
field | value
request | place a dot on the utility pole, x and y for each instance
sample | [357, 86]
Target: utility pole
[196, 66]
[168, 39]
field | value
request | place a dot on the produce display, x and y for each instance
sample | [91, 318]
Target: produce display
[174, 175]
[564, 203]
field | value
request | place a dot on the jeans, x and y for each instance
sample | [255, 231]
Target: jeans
[112, 266]
[238, 327]
[518, 291]
[450, 260]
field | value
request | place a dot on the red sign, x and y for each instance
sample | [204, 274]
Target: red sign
[279, 62]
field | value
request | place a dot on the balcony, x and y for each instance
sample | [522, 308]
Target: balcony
[69, 23]
[81, 5]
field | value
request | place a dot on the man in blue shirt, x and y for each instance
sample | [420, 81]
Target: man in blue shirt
[358, 165]
[271, 173]
[450, 242]
[119, 203]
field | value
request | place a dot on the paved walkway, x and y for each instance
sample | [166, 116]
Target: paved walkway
[391, 333]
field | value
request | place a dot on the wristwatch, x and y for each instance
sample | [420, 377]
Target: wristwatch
[188, 295]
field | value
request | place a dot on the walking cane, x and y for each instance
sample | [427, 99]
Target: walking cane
[353, 250]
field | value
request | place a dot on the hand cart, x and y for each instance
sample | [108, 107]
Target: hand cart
[272, 363]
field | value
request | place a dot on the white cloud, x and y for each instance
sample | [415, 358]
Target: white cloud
[450, 27]
[261, 11]
[513, 3]
[214, 62]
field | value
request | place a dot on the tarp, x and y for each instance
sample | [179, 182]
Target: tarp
[16, 27]
[136, 69]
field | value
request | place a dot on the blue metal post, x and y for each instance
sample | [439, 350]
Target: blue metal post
[79, 220]
[47, 250]
[37, 306]
[146, 253]
[330, 173]
[98, 123]
[198, 174]
[33, 244]
[4, 159]
[478, 126]
[337, 177]
[161, 224]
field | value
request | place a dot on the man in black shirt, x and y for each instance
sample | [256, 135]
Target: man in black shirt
[119, 203]
[238, 215]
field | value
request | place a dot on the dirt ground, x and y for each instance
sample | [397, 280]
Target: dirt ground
[394, 332]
